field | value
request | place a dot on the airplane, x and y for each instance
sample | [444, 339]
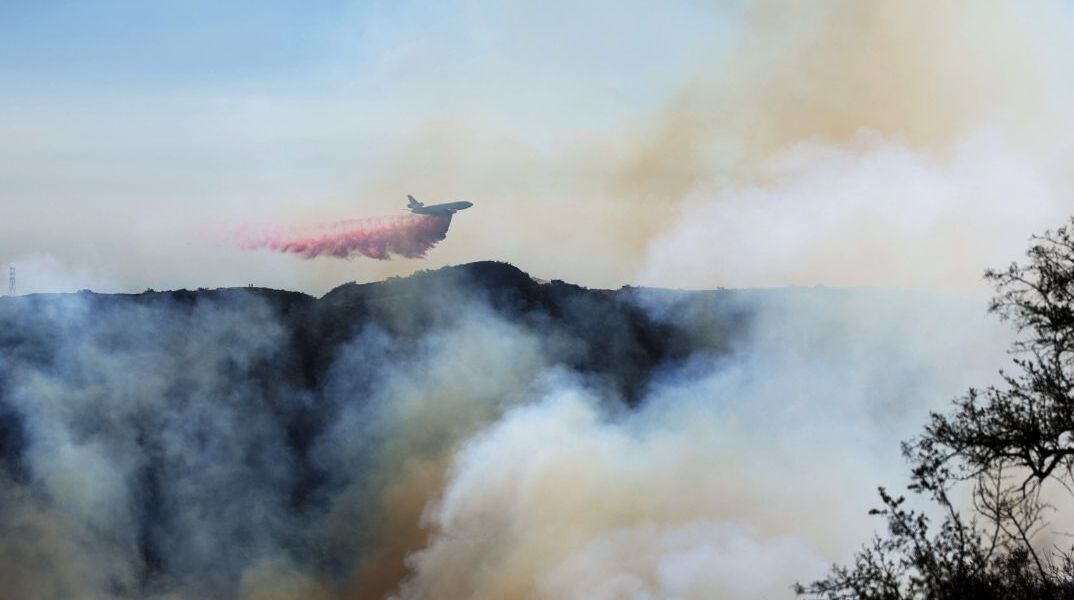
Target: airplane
[436, 209]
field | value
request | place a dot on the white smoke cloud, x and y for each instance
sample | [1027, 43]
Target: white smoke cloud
[555, 503]
[872, 212]
[701, 560]
[770, 454]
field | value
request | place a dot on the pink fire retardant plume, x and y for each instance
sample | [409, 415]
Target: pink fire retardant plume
[376, 237]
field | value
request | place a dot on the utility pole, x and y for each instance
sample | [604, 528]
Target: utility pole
[11, 281]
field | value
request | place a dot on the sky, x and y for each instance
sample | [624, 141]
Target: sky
[687, 144]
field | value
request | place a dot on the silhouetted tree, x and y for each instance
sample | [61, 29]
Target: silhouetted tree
[1008, 442]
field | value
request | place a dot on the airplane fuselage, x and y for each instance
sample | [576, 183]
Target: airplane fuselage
[448, 208]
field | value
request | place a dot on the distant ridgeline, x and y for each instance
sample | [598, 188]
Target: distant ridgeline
[616, 336]
[190, 442]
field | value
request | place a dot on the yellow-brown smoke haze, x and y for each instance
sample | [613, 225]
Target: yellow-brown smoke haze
[433, 406]
[959, 89]
[459, 380]
[870, 143]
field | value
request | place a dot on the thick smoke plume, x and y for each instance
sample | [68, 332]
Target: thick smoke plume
[869, 146]
[758, 461]
[471, 438]
[409, 236]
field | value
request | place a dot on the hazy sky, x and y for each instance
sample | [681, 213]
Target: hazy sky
[687, 144]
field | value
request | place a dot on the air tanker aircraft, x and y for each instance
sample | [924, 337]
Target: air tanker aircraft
[436, 209]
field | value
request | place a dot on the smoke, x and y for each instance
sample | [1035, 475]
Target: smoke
[40, 272]
[425, 401]
[447, 446]
[138, 446]
[409, 236]
[633, 519]
[158, 446]
[738, 475]
[857, 214]
[863, 144]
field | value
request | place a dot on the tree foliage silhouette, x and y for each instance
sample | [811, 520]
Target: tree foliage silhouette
[1012, 444]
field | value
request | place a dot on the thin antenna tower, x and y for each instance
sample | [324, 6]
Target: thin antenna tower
[11, 281]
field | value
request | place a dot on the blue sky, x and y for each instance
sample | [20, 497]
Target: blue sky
[296, 48]
[174, 117]
[160, 44]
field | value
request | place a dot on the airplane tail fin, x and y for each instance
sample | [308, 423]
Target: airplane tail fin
[413, 202]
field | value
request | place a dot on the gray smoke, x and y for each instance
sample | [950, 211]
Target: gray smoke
[176, 447]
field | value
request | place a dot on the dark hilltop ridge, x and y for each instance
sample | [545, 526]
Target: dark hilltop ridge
[162, 443]
[157, 443]
[621, 335]
[615, 335]
[618, 339]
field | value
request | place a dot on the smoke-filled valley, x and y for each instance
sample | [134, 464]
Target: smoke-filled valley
[463, 433]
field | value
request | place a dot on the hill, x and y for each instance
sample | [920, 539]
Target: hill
[182, 443]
